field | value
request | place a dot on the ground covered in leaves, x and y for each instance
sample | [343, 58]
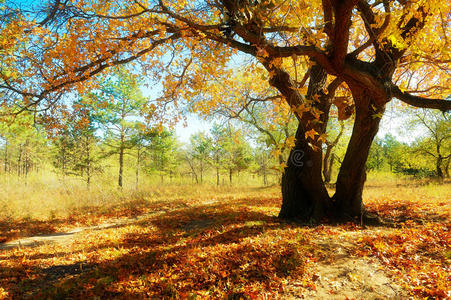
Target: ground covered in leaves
[232, 246]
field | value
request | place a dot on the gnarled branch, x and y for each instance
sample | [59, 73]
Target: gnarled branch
[442, 104]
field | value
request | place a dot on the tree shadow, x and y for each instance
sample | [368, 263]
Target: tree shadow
[178, 246]
[397, 213]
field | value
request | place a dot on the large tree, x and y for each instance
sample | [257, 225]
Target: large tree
[377, 49]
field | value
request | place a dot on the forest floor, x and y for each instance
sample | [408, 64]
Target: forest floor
[231, 246]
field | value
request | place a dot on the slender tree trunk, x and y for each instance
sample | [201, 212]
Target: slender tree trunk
[138, 165]
[326, 162]
[121, 157]
[327, 172]
[331, 165]
[352, 175]
[6, 155]
[217, 176]
[447, 167]
[201, 171]
[63, 160]
[230, 176]
[19, 160]
[88, 163]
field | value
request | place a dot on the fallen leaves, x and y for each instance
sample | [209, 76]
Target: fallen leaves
[232, 246]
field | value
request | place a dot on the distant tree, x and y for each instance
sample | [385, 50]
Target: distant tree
[217, 151]
[264, 161]
[23, 144]
[118, 105]
[141, 141]
[200, 151]
[376, 156]
[164, 154]
[238, 153]
[436, 142]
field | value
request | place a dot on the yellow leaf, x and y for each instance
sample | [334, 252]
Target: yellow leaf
[322, 138]
[311, 134]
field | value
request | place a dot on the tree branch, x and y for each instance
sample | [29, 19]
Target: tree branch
[442, 104]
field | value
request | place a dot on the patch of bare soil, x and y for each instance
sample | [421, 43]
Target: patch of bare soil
[340, 275]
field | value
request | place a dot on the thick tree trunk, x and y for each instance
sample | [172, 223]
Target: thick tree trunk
[304, 194]
[351, 178]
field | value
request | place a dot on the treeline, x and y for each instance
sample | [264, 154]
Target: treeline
[429, 155]
[112, 128]
[85, 152]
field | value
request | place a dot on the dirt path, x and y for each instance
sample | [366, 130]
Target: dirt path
[69, 236]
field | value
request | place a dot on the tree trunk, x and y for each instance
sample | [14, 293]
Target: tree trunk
[438, 166]
[6, 155]
[121, 159]
[327, 172]
[447, 167]
[230, 176]
[217, 176]
[326, 164]
[19, 160]
[138, 163]
[304, 194]
[201, 171]
[88, 163]
[352, 175]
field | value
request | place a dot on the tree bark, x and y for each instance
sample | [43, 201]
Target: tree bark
[347, 200]
[19, 160]
[88, 163]
[438, 166]
[447, 167]
[327, 170]
[217, 176]
[121, 159]
[6, 155]
[138, 165]
[304, 194]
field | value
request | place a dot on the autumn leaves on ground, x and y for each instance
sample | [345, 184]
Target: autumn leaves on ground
[225, 242]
